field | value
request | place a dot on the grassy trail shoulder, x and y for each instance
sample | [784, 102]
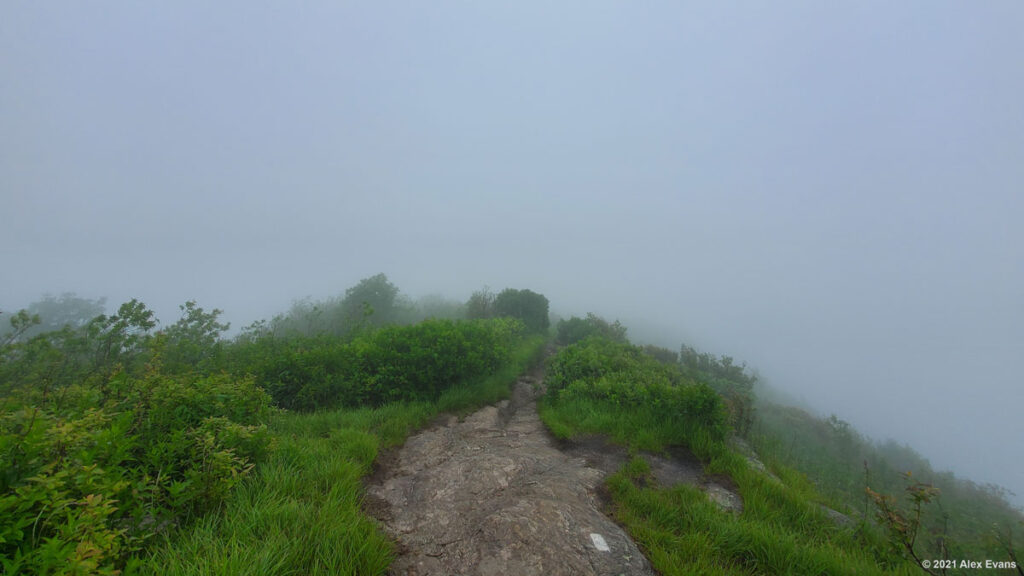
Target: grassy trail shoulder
[300, 512]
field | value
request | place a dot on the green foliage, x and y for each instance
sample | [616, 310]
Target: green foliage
[46, 365]
[480, 304]
[730, 380]
[118, 341]
[394, 363]
[104, 448]
[20, 324]
[86, 486]
[623, 385]
[371, 301]
[526, 305]
[902, 526]
[305, 317]
[112, 436]
[723, 367]
[833, 455]
[52, 313]
[193, 340]
[575, 329]
[433, 306]
[663, 355]
[301, 512]
[117, 441]
[598, 386]
[779, 532]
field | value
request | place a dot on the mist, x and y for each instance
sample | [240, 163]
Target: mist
[831, 193]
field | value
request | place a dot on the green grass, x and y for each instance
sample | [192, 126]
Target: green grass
[779, 531]
[635, 426]
[968, 516]
[465, 398]
[782, 529]
[300, 512]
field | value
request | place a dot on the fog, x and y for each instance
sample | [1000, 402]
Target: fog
[831, 193]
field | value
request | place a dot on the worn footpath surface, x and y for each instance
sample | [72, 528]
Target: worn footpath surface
[493, 494]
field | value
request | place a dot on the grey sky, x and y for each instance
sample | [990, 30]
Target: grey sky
[830, 192]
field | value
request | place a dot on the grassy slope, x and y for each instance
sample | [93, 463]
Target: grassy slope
[300, 513]
[969, 517]
[782, 530]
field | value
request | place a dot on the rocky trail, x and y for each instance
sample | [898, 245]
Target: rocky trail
[496, 494]
[493, 494]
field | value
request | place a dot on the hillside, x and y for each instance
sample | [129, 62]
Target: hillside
[370, 433]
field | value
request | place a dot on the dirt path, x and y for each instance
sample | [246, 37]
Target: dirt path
[494, 495]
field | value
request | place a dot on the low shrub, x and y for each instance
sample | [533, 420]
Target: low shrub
[84, 488]
[576, 329]
[416, 362]
[622, 378]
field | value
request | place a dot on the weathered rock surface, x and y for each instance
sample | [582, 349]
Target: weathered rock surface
[678, 466]
[494, 495]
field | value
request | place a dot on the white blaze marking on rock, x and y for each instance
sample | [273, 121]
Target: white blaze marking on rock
[599, 543]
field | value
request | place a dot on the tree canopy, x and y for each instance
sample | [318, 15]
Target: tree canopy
[527, 305]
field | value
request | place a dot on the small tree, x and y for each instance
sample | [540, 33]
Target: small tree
[54, 313]
[194, 338]
[904, 526]
[480, 304]
[66, 310]
[528, 306]
[1005, 542]
[119, 339]
[21, 323]
[371, 301]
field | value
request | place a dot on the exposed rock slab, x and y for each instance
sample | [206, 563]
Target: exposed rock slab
[677, 466]
[493, 495]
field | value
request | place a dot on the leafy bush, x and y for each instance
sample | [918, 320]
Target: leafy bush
[526, 305]
[481, 304]
[575, 329]
[730, 380]
[86, 486]
[111, 435]
[373, 301]
[92, 353]
[623, 377]
[415, 362]
[53, 314]
[193, 342]
[105, 446]
[663, 355]
[695, 406]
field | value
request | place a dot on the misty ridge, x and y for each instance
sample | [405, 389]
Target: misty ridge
[763, 255]
[148, 432]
